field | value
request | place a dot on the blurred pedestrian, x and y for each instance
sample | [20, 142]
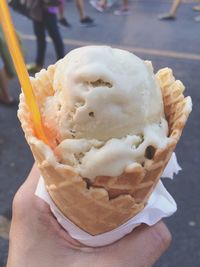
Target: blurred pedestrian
[84, 19]
[44, 16]
[62, 19]
[171, 15]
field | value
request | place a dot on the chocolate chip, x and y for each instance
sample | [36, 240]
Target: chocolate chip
[88, 182]
[150, 152]
[91, 114]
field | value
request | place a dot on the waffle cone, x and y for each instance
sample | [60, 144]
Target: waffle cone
[108, 202]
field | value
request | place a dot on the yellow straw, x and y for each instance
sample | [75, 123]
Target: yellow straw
[20, 67]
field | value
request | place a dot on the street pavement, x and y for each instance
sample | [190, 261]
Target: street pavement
[167, 43]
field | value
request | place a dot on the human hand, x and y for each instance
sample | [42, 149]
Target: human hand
[36, 239]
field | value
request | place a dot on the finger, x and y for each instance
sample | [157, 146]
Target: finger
[153, 241]
[26, 193]
[142, 247]
[30, 184]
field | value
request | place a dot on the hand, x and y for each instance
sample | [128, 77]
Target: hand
[36, 239]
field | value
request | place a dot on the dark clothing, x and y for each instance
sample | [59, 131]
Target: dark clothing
[49, 22]
[35, 9]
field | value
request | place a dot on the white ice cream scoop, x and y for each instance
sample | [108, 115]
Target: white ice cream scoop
[103, 93]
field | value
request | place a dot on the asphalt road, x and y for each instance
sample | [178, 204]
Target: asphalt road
[167, 43]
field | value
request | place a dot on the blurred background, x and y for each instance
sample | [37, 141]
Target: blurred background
[154, 31]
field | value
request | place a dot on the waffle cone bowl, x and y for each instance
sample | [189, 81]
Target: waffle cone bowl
[107, 202]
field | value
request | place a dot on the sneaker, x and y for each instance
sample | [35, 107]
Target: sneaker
[97, 6]
[166, 16]
[63, 22]
[87, 21]
[123, 11]
[33, 67]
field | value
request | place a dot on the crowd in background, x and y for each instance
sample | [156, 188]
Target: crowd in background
[48, 15]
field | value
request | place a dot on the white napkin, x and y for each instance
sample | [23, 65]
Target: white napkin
[160, 205]
[172, 167]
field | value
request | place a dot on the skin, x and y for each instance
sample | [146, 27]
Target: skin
[174, 7]
[36, 239]
[79, 6]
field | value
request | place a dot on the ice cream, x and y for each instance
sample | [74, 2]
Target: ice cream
[112, 125]
[107, 109]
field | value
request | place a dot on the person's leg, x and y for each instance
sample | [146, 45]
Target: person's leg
[80, 8]
[39, 30]
[61, 10]
[85, 20]
[53, 30]
[61, 15]
[196, 8]
[125, 4]
[172, 13]
[5, 97]
[174, 7]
